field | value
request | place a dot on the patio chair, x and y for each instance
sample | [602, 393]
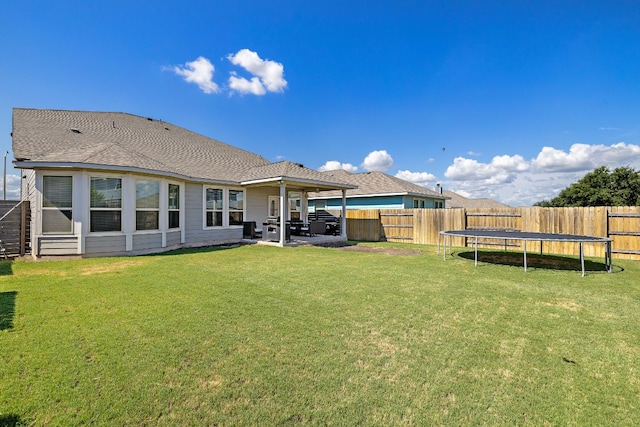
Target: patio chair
[250, 231]
[317, 227]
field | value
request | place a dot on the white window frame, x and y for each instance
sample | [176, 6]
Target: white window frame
[57, 208]
[230, 210]
[107, 209]
[145, 209]
[214, 209]
[173, 210]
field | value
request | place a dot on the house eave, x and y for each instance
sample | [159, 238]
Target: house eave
[20, 164]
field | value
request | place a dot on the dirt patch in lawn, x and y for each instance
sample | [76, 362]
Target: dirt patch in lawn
[380, 250]
[111, 267]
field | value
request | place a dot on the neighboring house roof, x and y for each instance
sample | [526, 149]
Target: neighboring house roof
[122, 141]
[458, 201]
[375, 184]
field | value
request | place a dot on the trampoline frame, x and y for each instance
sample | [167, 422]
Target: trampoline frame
[528, 236]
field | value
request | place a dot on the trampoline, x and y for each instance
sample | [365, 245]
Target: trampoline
[525, 237]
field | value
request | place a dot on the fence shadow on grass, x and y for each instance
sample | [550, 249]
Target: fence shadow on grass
[547, 262]
[7, 310]
[11, 420]
[6, 268]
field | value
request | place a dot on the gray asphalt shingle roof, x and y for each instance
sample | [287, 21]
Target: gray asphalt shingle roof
[376, 183]
[458, 201]
[125, 140]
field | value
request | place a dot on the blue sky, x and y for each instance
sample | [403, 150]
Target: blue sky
[511, 100]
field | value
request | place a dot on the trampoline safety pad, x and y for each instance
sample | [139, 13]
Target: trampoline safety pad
[525, 237]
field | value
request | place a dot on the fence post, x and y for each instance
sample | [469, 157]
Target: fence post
[23, 227]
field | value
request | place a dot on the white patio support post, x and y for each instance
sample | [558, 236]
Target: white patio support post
[283, 213]
[304, 207]
[343, 218]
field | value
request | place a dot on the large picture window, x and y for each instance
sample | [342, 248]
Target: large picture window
[147, 204]
[106, 204]
[236, 206]
[174, 206]
[214, 201]
[57, 203]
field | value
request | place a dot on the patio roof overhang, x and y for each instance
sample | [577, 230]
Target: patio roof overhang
[300, 184]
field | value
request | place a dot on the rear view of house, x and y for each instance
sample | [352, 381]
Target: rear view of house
[104, 184]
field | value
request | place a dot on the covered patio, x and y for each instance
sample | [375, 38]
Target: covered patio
[285, 192]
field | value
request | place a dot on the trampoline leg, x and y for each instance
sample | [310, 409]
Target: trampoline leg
[444, 248]
[525, 256]
[476, 244]
[582, 258]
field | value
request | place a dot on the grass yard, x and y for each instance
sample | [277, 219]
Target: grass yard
[257, 335]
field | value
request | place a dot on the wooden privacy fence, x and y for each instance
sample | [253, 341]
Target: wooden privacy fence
[14, 227]
[421, 226]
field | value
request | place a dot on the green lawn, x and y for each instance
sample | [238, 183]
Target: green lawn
[259, 335]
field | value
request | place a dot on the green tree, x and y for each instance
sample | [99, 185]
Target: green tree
[600, 187]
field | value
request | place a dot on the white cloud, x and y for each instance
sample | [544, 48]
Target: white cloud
[502, 169]
[199, 72]
[13, 187]
[510, 163]
[333, 165]
[378, 161]
[608, 128]
[512, 180]
[584, 157]
[553, 160]
[267, 75]
[421, 178]
[473, 154]
[242, 85]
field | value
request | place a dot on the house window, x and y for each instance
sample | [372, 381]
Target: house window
[174, 206]
[415, 203]
[147, 204]
[294, 206]
[106, 204]
[213, 208]
[57, 209]
[236, 206]
[439, 205]
[274, 206]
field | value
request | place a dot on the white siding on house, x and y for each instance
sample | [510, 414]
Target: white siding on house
[115, 244]
[173, 238]
[192, 231]
[147, 241]
[257, 208]
[195, 232]
[50, 245]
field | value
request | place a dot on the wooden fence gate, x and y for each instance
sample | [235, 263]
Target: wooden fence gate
[625, 224]
[397, 226]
